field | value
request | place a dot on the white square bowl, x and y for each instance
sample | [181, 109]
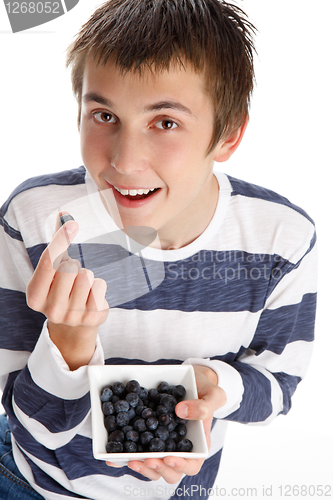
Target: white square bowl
[148, 376]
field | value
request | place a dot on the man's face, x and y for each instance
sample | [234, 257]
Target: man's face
[150, 132]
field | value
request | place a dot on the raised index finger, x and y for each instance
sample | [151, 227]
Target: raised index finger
[39, 285]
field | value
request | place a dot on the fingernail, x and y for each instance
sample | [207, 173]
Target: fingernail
[70, 227]
[111, 464]
[182, 411]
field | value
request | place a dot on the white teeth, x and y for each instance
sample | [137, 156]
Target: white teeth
[133, 192]
[122, 191]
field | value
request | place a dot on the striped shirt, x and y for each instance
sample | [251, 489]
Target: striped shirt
[240, 299]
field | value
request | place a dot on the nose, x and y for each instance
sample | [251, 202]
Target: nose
[128, 154]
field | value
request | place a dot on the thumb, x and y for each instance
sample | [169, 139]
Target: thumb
[200, 409]
[193, 409]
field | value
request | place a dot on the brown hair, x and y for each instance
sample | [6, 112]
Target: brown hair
[213, 35]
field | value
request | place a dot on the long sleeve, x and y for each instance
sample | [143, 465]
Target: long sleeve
[261, 378]
[40, 393]
[279, 354]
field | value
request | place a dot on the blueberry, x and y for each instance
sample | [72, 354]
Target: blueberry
[130, 447]
[65, 218]
[169, 401]
[108, 408]
[158, 398]
[117, 435]
[146, 437]
[161, 410]
[147, 413]
[133, 386]
[122, 419]
[163, 387]
[172, 425]
[132, 436]
[173, 435]
[133, 399]
[165, 419]
[118, 389]
[143, 394]
[127, 428]
[110, 423]
[106, 394]
[121, 405]
[181, 430]
[156, 444]
[140, 425]
[152, 423]
[184, 445]
[178, 392]
[114, 447]
[162, 433]
[131, 413]
[170, 445]
[152, 393]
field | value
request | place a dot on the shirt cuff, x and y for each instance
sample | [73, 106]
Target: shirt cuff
[228, 379]
[50, 371]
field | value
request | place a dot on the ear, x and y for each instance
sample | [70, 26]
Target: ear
[226, 148]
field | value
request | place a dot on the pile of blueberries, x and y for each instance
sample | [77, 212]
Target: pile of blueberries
[141, 420]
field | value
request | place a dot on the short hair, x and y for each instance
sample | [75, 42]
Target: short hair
[214, 36]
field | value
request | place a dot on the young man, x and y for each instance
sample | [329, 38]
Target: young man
[163, 91]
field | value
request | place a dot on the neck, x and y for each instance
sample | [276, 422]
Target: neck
[193, 221]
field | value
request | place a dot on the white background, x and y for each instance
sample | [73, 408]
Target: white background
[287, 147]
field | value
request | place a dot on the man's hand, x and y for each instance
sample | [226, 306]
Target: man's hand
[211, 397]
[70, 297]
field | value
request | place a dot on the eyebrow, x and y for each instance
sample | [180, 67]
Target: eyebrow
[168, 105]
[93, 97]
[158, 106]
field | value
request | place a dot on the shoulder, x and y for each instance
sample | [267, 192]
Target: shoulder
[269, 221]
[72, 177]
[253, 191]
[34, 199]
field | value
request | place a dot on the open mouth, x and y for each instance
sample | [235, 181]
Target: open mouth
[136, 194]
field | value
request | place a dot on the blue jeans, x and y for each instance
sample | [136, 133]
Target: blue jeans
[13, 486]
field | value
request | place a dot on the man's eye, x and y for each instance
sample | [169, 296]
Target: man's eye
[104, 117]
[166, 125]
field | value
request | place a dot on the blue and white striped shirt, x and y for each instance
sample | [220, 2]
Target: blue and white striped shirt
[241, 298]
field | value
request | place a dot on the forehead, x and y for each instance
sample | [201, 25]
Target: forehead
[182, 83]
